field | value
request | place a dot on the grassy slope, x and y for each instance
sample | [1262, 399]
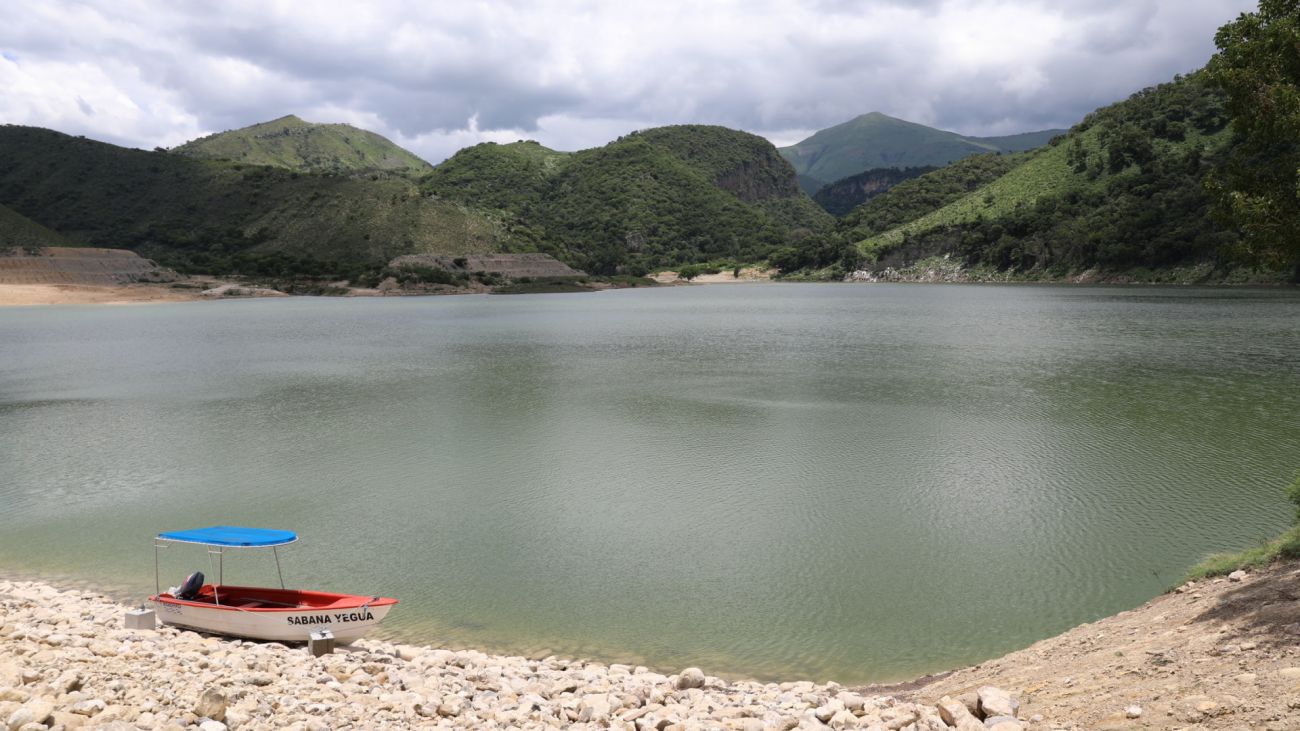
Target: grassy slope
[915, 198]
[18, 230]
[876, 140]
[1046, 172]
[291, 143]
[1049, 175]
[169, 206]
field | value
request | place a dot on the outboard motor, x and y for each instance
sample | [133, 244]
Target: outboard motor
[189, 590]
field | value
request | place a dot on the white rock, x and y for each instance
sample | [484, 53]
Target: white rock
[690, 678]
[843, 719]
[955, 714]
[212, 704]
[451, 707]
[20, 718]
[997, 702]
[852, 701]
[88, 708]
[1237, 575]
[825, 712]
[1133, 712]
[212, 726]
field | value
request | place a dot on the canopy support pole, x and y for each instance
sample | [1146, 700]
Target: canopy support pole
[276, 553]
[216, 596]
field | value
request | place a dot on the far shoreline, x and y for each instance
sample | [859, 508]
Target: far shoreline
[37, 295]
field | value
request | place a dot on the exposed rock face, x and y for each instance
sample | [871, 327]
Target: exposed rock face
[80, 265]
[842, 196]
[50, 673]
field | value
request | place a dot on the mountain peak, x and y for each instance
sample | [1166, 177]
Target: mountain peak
[290, 142]
[877, 140]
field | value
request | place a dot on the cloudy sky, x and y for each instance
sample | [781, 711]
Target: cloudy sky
[438, 75]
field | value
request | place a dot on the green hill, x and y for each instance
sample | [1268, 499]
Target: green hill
[19, 231]
[289, 142]
[1124, 189]
[511, 177]
[224, 217]
[876, 140]
[656, 198]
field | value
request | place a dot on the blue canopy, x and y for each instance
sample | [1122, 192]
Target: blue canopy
[232, 535]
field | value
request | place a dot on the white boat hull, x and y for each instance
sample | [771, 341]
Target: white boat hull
[290, 625]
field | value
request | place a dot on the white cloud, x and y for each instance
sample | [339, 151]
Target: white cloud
[576, 73]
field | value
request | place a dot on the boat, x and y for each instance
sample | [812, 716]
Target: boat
[258, 613]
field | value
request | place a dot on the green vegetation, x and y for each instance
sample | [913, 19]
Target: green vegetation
[228, 218]
[659, 198]
[842, 196]
[1258, 188]
[1286, 545]
[19, 232]
[1123, 190]
[510, 177]
[554, 285]
[913, 199]
[289, 142]
[875, 140]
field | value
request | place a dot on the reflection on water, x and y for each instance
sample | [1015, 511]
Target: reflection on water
[847, 482]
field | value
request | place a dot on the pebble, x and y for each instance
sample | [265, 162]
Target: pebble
[1133, 712]
[1237, 575]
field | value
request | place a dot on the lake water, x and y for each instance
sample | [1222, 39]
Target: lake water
[798, 481]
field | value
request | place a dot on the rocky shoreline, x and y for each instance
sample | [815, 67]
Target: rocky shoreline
[1219, 654]
[67, 663]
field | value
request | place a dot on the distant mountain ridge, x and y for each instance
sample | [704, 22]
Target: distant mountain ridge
[876, 140]
[658, 198]
[290, 142]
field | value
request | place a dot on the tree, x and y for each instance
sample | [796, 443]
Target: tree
[1258, 66]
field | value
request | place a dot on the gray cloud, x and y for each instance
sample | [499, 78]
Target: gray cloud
[437, 76]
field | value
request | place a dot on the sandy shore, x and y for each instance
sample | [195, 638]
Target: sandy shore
[1218, 654]
[80, 294]
[748, 274]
